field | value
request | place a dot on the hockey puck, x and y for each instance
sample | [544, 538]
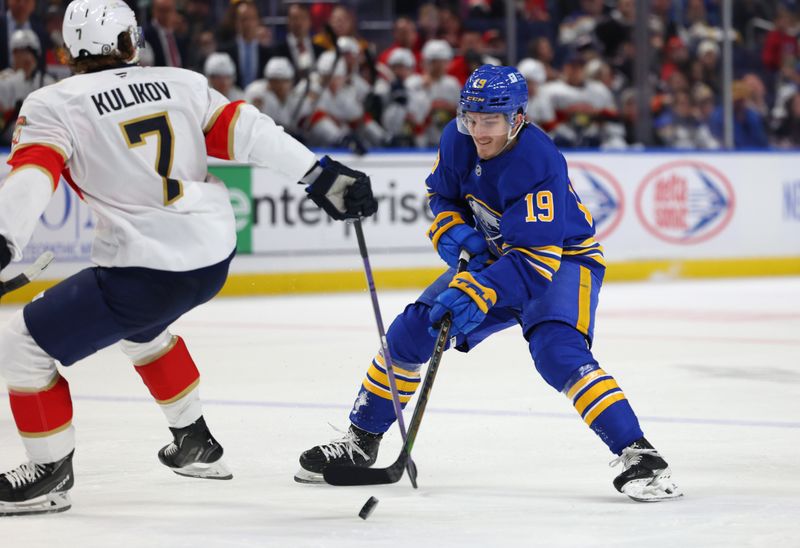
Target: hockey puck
[368, 507]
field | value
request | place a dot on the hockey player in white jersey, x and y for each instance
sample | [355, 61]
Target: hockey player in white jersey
[275, 95]
[133, 143]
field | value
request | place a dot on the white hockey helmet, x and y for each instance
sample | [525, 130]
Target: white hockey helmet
[26, 39]
[92, 27]
[279, 68]
[325, 64]
[402, 56]
[532, 69]
[437, 50]
[219, 64]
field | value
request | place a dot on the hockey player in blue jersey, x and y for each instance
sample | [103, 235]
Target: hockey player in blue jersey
[499, 189]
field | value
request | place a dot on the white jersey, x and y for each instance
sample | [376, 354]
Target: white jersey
[135, 141]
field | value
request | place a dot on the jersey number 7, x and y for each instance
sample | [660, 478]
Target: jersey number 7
[137, 130]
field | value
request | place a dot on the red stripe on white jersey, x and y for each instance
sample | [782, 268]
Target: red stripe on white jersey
[219, 136]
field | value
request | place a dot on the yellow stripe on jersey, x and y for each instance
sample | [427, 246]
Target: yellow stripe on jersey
[584, 301]
[550, 255]
[593, 393]
[602, 405]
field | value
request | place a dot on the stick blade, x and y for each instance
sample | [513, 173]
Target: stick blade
[358, 475]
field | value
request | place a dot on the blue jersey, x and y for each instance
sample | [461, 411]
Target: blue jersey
[525, 206]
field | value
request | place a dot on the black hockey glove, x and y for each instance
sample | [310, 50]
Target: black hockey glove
[5, 253]
[342, 192]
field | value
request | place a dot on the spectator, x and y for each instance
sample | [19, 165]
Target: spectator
[19, 16]
[298, 47]
[787, 134]
[542, 50]
[56, 63]
[680, 127]
[405, 36]
[440, 91]
[676, 58]
[343, 24]
[581, 112]
[338, 118]
[581, 22]
[168, 49]
[748, 124]
[403, 108]
[472, 55]
[705, 68]
[24, 76]
[451, 26]
[221, 74]
[535, 75]
[788, 85]
[248, 55]
[780, 41]
[617, 28]
[350, 53]
[275, 95]
[428, 25]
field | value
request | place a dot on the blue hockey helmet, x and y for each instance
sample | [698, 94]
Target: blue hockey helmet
[493, 89]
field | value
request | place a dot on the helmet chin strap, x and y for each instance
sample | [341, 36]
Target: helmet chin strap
[512, 134]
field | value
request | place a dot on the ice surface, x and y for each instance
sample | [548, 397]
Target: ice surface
[711, 367]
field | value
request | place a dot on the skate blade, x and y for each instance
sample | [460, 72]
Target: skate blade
[658, 489]
[304, 476]
[213, 470]
[51, 503]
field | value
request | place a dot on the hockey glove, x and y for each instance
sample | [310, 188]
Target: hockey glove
[342, 192]
[450, 235]
[467, 300]
[5, 253]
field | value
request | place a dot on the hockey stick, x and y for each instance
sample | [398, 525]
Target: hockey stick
[398, 409]
[30, 273]
[356, 475]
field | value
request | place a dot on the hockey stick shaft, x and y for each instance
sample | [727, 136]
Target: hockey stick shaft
[373, 293]
[30, 273]
[353, 475]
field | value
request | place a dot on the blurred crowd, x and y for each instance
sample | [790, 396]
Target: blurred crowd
[312, 68]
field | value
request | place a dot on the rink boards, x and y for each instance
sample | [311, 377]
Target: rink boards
[658, 214]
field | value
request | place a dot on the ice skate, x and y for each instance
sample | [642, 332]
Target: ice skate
[646, 476]
[195, 453]
[37, 488]
[357, 447]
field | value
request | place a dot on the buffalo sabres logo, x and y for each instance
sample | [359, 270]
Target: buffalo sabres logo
[488, 221]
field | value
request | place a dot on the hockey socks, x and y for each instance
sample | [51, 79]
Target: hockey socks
[44, 419]
[373, 410]
[600, 402]
[173, 379]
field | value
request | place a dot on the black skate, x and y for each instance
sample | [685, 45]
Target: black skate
[358, 447]
[37, 488]
[646, 476]
[195, 453]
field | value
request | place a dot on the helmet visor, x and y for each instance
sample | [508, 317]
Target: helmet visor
[484, 124]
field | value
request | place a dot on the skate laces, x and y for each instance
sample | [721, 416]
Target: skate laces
[23, 474]
[631, 456]
[346, 445]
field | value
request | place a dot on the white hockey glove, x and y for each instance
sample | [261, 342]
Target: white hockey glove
[342, 192]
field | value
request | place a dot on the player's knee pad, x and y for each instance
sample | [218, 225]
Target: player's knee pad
[23, 363]
[558, 351]
[408, 337]
[169, 374]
